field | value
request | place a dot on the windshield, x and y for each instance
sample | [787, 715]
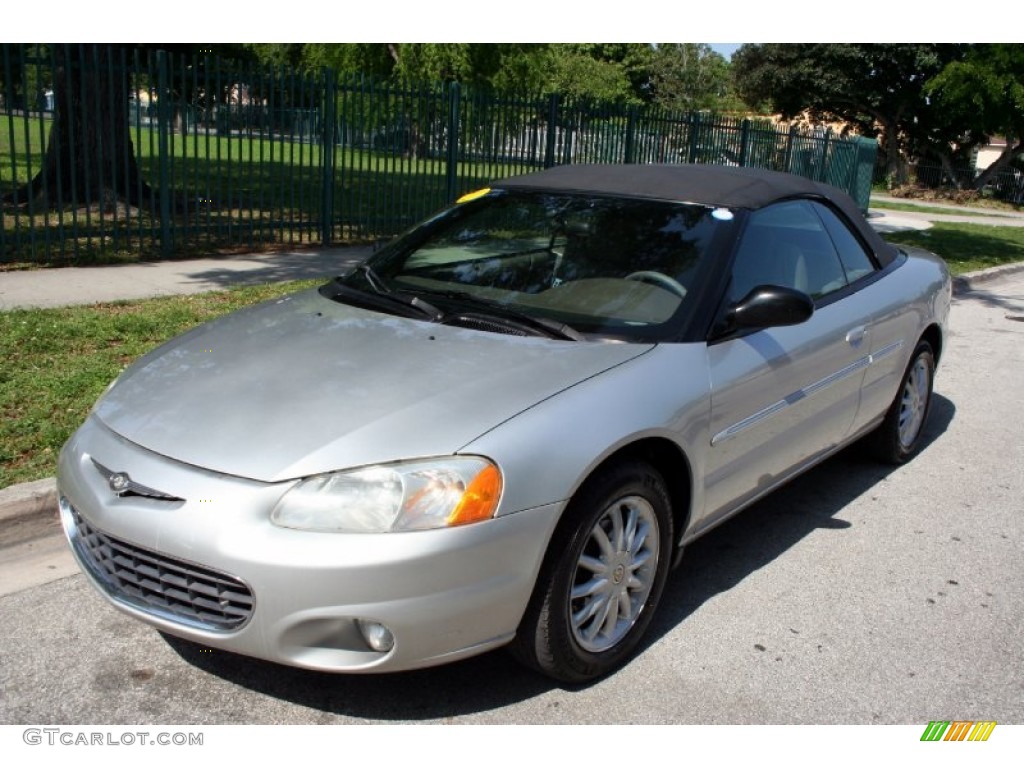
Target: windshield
[595, 265]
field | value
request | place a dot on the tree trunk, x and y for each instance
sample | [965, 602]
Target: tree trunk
[89, 155]
[950, 172]
[896, 170]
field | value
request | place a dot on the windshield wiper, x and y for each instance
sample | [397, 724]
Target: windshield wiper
[495, 310]
[383, 297]
[413, 300]
[376, 281]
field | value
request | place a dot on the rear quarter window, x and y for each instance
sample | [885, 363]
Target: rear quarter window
[855, 258]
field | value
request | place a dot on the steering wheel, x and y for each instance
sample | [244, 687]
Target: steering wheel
[660, 279]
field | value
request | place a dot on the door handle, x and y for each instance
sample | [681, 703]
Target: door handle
[855, 336]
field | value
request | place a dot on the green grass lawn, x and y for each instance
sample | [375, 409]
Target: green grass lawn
[967, 247]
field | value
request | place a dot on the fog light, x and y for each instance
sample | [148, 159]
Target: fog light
[376, 635]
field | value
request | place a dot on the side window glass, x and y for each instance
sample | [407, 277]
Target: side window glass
[854, 257]
[786, 244]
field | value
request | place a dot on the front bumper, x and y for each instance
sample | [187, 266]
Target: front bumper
[185, 567]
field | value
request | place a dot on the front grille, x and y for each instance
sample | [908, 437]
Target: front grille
[163, 586]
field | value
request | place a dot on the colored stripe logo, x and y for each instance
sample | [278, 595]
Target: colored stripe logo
[958, 730]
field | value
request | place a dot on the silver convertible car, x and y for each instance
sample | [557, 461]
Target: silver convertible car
[506, 425]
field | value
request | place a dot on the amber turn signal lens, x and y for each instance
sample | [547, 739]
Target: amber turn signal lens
[480, 499]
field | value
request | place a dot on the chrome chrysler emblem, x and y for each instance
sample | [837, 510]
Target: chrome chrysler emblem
[119, 482]
[122, 485]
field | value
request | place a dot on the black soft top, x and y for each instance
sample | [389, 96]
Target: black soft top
[712, 185]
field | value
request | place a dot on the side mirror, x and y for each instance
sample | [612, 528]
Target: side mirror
[767, 306]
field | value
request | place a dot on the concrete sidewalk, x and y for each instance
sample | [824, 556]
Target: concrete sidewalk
[66, 286]
[885, 220]
[935, 207]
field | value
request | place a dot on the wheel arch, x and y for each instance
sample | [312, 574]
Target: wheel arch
[544, 636]
[672, 464]
[933, 335]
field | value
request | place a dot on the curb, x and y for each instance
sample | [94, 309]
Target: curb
[974, 281]
[27, 500]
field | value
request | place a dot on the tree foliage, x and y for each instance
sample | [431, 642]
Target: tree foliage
[691, 76]
[984, 93]
[595, 70]
[877, 89]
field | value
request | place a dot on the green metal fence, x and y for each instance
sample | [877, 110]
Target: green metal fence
[107, 151]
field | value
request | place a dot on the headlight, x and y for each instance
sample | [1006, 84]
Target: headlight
[397, 497]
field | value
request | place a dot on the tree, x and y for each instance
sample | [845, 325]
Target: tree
[471, 63]
[877, 89]
[89, 155]
[691, 76]
[602, 72]
[985, 92]
[612, 71]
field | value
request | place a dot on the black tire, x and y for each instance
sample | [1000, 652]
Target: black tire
[898, 437]
[575, 639]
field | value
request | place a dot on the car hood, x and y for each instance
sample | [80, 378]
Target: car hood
[304, 385]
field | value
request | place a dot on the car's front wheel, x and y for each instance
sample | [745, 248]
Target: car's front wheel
[602, 578]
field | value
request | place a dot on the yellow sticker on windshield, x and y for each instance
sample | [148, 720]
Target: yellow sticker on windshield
[473, 195]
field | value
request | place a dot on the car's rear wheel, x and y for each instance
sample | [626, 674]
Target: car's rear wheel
[899, 436]
[602, 578]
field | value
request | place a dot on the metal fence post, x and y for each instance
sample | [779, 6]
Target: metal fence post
[744, 141]
[631, 135]
[867, 151]
[823, 168]
[694, 137]
[549, 148]
[328, 148]
[787, 163]
[163, 121]
[451, 175]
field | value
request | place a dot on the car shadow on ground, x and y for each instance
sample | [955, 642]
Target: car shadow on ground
[746, 543]
[713, 564]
